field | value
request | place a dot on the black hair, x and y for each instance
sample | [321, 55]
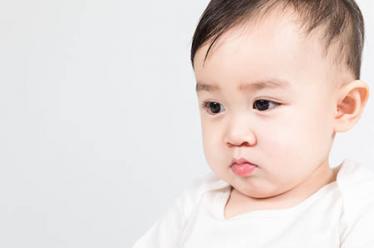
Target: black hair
[342, 20]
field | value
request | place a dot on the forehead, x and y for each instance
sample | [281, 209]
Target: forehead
[267, 49]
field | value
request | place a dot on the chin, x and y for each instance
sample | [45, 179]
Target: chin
[254, 191]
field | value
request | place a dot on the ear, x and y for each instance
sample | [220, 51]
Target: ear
[351, 103]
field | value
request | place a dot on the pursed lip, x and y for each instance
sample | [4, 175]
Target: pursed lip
[242, 161]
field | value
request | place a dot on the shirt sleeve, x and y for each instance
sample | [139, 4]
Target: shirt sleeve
[360, 233]
[168, 230]
[358, 211]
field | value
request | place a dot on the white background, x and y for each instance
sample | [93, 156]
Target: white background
[99, 123]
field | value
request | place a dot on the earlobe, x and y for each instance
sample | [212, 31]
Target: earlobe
[351, 104]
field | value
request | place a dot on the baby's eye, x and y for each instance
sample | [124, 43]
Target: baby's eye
[262, 105]
[212, 108]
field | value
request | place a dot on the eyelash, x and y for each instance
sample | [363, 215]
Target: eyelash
[205, 105]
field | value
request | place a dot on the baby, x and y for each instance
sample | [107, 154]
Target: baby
[276, 80]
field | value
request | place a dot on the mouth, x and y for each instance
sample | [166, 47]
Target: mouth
[243, 167]
[241, 161]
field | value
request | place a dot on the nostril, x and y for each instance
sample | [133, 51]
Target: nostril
[245, 143]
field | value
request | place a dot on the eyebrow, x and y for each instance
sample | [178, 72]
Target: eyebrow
[257, 85]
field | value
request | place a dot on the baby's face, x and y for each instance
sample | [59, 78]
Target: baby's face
[286, 129]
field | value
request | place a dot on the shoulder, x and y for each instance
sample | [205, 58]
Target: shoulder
[166, 231]
[356, 185]
[200, 187]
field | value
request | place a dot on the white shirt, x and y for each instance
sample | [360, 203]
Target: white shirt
[340, 214]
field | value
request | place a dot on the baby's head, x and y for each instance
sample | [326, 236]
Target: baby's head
[276, 79]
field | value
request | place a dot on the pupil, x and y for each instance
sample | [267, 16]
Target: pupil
[214, 107]
[262, 104]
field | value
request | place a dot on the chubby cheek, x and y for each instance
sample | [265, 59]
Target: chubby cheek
[213, 149]
[282, 155]
[295, 149]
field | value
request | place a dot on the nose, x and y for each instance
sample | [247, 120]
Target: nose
[240, 133]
